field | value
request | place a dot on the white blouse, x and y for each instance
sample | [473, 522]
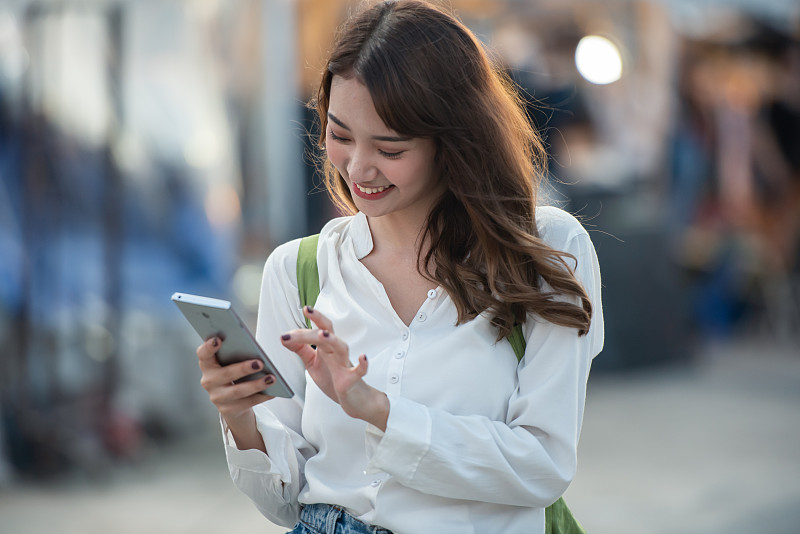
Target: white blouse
[475, 442]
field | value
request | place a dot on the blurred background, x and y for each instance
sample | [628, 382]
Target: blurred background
[148, 147]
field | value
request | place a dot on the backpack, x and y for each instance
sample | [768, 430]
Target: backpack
[558, 517]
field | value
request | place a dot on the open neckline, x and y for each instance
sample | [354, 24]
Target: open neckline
[385, 296]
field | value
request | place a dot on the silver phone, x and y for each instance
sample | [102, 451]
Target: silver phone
[214, 317]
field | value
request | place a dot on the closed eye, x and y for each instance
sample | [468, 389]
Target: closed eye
[336, 137]
[391, 155]
[388, 155]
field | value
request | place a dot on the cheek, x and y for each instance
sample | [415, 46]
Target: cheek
[336, 155]
[423, 172]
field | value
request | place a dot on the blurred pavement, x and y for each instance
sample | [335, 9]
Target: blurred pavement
[709, 448]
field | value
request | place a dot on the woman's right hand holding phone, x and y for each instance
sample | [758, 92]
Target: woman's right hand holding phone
[234, 401]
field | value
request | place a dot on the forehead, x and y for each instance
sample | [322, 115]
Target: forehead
[352, 104]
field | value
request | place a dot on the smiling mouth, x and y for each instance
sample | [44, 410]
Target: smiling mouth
[373, 190]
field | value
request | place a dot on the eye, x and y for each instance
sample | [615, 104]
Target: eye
[336, 137]
[391, 155]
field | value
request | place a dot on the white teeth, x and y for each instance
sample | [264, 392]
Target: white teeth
[372, 190]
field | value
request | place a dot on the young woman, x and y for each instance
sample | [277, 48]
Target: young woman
[412, 413]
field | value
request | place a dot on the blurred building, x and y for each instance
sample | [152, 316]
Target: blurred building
[153, 147]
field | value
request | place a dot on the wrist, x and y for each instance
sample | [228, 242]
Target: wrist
[239, 419]
[380, 414]
[244, 431]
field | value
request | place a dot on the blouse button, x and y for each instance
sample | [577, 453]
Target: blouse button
[376, 483]
[432, 294]
[399, 355]
[394, 379]
[421, 316]
[405, 336]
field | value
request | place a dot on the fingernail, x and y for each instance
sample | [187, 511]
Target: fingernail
[326, 333]
[255, 365]
[286, 337]
[215, 342]
[269, 380]
[309, 309]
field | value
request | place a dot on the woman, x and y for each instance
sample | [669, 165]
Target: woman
[440, 429]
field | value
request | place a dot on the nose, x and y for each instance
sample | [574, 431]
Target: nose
[360, 167]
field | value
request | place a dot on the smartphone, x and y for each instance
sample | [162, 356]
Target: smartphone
[214, 317]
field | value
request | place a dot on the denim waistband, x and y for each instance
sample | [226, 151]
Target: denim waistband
[330, 519]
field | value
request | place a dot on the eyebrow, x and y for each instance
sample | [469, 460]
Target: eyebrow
[389, 138]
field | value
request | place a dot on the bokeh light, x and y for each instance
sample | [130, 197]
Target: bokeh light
[598, 60]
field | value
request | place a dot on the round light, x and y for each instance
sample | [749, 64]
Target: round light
[598, 60]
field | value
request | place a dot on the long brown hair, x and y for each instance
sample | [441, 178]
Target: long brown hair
[429, 77]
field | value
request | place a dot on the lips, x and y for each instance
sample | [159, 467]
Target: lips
[372, 193]
[372, 190]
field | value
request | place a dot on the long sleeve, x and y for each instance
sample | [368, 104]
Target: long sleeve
[529, 458]
[274, 480]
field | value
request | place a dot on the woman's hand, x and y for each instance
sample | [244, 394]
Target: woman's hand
[234, 401]
[333, 372]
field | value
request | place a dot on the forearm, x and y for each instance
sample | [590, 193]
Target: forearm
[272, 482]
[245, 432]
[378, 416]
[442, 454]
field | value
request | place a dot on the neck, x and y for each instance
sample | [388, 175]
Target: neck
[399, 233]
[395, 234]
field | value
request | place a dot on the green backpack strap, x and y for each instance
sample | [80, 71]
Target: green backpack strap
[517, 340]
[557, 517]
[307, 272]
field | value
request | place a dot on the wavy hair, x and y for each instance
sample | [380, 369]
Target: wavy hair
[429, 77]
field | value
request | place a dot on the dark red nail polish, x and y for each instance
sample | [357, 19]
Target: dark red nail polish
[215, 342]
[269, 380]
[325, 333]
[309, 309]
[255, 365]
[286, 337]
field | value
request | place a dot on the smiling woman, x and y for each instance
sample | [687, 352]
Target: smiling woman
[377, 163]
[443, 254]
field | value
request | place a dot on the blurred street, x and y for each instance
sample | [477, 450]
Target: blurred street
[704, 448]
[711, 448]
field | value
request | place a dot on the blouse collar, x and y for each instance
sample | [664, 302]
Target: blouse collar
[361, 235]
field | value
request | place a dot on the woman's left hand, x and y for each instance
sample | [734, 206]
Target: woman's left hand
[333, 372]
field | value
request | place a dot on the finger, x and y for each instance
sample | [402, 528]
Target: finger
[295, 339]
[307, 355]
[319, 320]
[237, 404]
[295, 344]
[236, 371]
[362, 367]
[250, 390]
[207, 353]
[331, 346]
[255, 387]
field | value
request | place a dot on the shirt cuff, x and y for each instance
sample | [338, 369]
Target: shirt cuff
[399, 450]
[254, 460]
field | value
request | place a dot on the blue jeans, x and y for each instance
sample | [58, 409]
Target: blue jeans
[329, 519]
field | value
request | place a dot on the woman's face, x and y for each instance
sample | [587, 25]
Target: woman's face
[388, 174]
